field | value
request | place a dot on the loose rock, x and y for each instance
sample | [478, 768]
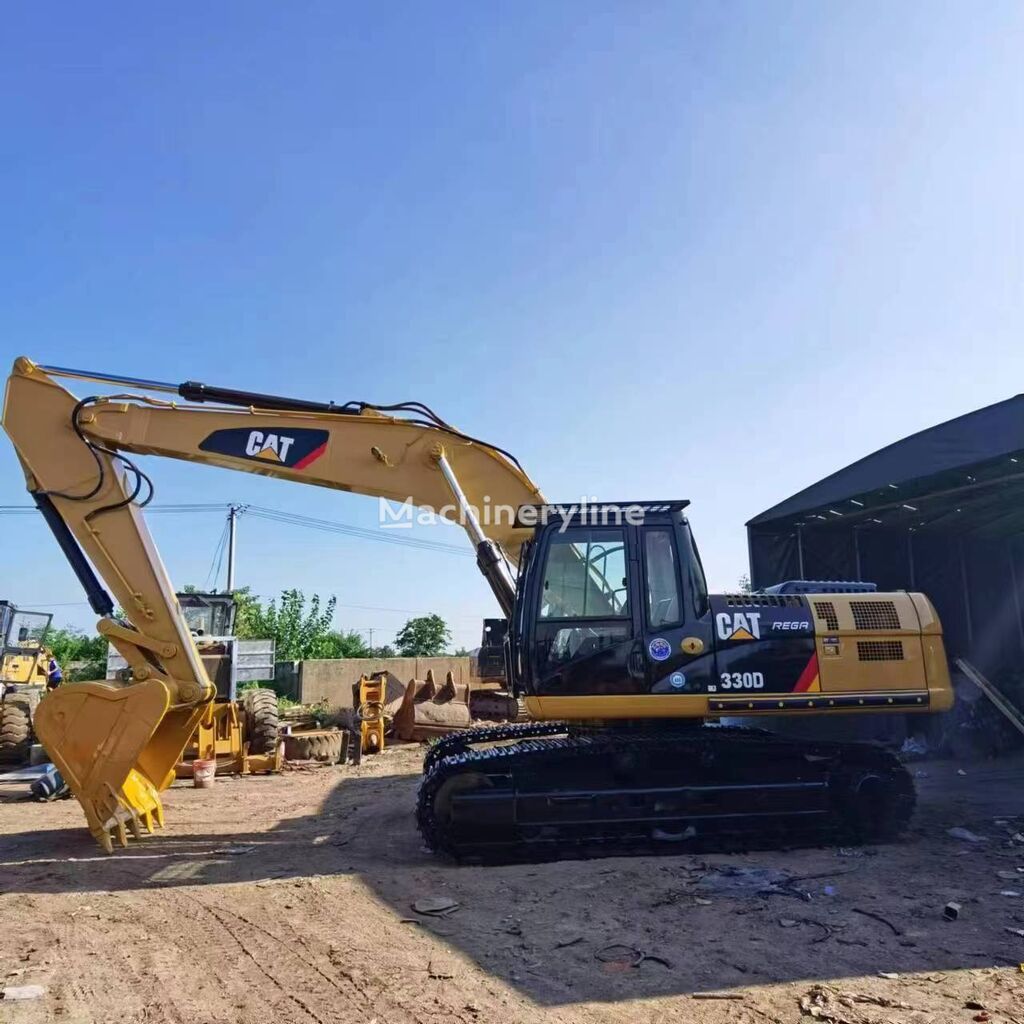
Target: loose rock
[965, 834]
[17, 993]
[436, 906]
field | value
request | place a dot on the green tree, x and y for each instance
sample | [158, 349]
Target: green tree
[297, 632]
[743, 584]
[80, 656]
[461, 652]
[424, 637]
[346, 643]
[384, 651]
[248, 612]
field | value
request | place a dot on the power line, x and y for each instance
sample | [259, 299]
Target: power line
[218, 555]
[286, 518]
[344, 529]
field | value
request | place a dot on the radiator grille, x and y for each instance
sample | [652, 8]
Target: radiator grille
[874, 615]
[880, 650]
[826, 611]
[763, 600]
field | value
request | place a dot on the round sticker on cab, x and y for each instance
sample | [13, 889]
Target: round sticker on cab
[660, 649]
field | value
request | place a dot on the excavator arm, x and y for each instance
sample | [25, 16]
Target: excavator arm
[117, 745]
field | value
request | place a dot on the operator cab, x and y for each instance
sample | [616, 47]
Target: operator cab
[208, 614]
[22, 635]
[211, 621]
[611, 599]
[22, 632]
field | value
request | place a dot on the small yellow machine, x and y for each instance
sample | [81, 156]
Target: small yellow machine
[24, 670]
[239, 729]
[616, 647]
[240, 735]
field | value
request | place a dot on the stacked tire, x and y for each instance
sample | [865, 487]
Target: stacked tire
[262, 720]
[317, 745]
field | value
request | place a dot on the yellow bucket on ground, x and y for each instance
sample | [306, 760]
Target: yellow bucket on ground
[116, 747]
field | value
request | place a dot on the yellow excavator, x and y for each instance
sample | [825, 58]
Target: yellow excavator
[626, 664]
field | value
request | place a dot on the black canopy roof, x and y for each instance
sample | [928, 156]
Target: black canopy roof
[964, 476]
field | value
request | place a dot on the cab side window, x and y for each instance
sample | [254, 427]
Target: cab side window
[663, 599]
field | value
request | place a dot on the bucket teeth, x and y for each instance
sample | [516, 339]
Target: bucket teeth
[135, 807]
[121, 826]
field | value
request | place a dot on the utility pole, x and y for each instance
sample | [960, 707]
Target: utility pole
[233, 511]
[370, 631]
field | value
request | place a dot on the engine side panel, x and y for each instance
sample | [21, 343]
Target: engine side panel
[781, 654]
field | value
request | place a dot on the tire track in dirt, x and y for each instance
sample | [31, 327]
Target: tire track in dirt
[174, 948]
[235, 976]
[353, 988]
[99, 982]
[301, 1003]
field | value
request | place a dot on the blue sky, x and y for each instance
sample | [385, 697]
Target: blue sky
[701, 250]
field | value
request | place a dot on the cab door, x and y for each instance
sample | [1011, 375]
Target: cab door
[587, 635]
[677, 626]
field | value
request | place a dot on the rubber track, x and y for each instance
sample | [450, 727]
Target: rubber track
[458, 742]
[533, 751]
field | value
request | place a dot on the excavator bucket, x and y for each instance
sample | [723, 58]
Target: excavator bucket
[116, 747]
[430, 710]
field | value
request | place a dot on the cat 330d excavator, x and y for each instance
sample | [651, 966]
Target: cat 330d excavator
[626, 664]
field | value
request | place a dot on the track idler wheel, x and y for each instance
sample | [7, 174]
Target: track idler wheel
[876, 801]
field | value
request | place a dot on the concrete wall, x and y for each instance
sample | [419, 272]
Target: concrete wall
[332, 679]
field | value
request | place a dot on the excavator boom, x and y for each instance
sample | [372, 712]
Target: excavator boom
[117, 746]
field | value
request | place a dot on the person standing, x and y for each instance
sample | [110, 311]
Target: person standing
[54, 676]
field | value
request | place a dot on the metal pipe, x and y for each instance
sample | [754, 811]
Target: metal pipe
[466, 513]
[967, 596]
[856, 552]
[489, 558]
[750, 559]
[1016, 597]
[232, 520]
[800, 551]
[910, 557]
[109, 378]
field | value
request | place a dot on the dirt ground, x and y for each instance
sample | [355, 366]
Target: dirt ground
[289, 899]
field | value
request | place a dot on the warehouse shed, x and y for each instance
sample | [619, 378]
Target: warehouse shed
[941, 511]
